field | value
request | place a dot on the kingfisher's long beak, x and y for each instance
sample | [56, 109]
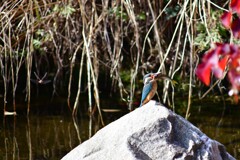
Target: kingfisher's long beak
[158, 76]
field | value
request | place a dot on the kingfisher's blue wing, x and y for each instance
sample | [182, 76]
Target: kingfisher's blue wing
[146, 90]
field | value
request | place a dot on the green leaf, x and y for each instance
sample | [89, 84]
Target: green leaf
[172, 11]
[67, 11]
[141, 16]
[36, 43]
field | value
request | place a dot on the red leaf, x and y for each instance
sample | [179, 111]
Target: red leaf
[226, 19]
[219, 68]
[203, 70]
[234, 74]
[234, 79]
[223, 62]
[203, 73]
[211, 62]
[225, 48]
[235, 5]
[236, 28]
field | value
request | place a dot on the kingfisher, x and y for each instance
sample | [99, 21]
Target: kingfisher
[150, 86]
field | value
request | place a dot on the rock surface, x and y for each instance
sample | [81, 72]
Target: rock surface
[151, 132]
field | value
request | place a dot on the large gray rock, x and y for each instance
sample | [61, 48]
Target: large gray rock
[150, 132]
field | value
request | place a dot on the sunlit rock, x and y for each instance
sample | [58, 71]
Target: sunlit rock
[151, 132]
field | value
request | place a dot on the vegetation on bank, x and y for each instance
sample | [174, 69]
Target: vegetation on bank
[104, 47]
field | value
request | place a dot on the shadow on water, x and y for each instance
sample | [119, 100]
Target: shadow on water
[50, 132]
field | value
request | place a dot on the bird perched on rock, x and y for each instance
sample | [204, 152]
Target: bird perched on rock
[150, 86]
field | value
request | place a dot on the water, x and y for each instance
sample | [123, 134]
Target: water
[46, 137]
[50, 132]
[219, 123]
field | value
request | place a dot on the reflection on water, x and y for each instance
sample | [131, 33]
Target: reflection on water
[50, 136]
[49, 132]
[45, 137]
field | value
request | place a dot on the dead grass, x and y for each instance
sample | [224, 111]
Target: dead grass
[57, 37]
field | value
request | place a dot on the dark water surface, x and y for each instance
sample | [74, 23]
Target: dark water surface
[219, 123]
[51, 133]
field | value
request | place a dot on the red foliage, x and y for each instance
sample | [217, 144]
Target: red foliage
[235, 6]
[234, 73]
[227, 19]
[216, 59]
[228, 23]
[236, 28]
[203, 72]
[213, 61]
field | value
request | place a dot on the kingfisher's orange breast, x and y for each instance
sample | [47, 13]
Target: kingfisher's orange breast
[151, 93]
